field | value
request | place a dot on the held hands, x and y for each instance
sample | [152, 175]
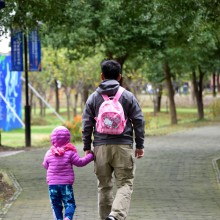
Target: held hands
[139, 153]
[89, 152]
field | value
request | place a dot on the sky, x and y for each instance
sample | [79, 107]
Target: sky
[4, 44]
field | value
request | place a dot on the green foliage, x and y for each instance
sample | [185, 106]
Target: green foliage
[26, 15]
[88, 70]
[184, 33]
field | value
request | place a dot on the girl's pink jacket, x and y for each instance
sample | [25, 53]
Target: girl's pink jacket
[60, 168]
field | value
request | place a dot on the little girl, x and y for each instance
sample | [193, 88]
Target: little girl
[58, 161]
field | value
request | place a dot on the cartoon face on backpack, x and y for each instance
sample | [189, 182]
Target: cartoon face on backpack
[111, 119]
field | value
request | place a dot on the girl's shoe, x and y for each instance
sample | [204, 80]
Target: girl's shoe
[66, 218]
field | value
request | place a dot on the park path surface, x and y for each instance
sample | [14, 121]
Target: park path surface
[174, 181]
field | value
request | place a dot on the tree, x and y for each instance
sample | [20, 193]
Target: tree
[49, 61]
[116, 27]
[163, 30]
[26, 15]
[186, 41]
[181, 37]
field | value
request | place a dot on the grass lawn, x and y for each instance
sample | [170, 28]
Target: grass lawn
[159, 124]
[155, 125]
[41, 127]
[16, 138]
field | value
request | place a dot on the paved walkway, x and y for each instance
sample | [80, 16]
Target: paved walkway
[175, 181]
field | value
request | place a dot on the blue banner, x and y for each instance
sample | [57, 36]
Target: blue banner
[16, 50]
[10, 96]
[34, 51]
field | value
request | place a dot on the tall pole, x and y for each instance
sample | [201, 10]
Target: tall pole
[27, 105]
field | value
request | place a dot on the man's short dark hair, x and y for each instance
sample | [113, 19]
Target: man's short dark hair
[111, 69]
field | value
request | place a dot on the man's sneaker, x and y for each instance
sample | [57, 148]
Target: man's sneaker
[110, 218]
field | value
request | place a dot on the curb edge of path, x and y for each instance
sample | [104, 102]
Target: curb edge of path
[217, 171]
[9, 203]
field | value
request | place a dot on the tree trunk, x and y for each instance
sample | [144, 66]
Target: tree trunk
[41, 107]
[214, 84]
[218, 83]
[57, 96]
[168, 77]
[198, 88]
[85, 93]
[44, 109]
[31, 100]
[33, 108]
[155, 104]
[159, 97]
[68, 106]
[75, 104]
[192, 94]
[68, 100]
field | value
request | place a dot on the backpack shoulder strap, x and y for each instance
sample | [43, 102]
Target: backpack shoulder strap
[117, 95]
[119, 92]
[105, 97]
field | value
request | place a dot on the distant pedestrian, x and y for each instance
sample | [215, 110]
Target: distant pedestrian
[58, 162]
[114, 153]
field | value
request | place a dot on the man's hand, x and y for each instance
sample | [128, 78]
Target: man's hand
[139, 153]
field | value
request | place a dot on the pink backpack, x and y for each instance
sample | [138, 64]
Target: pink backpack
[111, 119]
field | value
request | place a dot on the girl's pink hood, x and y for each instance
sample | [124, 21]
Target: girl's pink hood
[60, 136]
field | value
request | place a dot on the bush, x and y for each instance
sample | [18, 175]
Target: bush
[148, 119]
[214, 109]
[75, 128]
